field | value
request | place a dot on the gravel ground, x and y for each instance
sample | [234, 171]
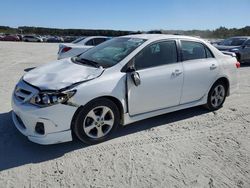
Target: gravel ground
[189, 148]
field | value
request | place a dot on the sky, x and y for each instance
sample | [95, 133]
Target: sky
[126, 14]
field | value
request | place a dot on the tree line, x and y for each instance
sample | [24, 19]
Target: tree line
[61, 32]
[221, 32]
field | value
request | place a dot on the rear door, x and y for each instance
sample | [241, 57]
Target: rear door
[200, 70]
[161, 79]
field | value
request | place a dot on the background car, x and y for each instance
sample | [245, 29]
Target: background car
[79, 46]
[10, 38]
[32, 38]
[54, 39]
[215, 41]
[239, 45]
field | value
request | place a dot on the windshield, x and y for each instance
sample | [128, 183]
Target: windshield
[112, 51]
[78, 40]
[233, 41]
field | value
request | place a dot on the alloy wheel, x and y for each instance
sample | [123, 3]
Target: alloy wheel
[218, 96]
[98, 122]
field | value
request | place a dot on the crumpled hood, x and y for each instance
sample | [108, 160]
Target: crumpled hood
[60, 74]
[225, 48]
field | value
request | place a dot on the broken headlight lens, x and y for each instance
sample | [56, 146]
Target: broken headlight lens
[44, 99]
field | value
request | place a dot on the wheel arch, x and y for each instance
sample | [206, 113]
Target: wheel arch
[224, 80]
[116, 101]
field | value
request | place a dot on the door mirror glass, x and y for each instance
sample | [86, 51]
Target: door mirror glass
[136, 78]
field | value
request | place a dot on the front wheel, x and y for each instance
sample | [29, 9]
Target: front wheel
[216, 96]
[97, 121]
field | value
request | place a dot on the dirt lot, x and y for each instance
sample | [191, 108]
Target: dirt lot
[189, 148]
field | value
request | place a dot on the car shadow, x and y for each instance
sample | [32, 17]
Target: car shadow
[16, 150]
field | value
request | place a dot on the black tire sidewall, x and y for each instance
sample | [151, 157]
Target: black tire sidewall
[78, 126]
[209, 105]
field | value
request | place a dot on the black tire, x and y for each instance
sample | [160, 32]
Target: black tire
[81, 119]
[210, 102]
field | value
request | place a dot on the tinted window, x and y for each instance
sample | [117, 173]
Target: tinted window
[156, 54]
[99, 41]
[192, 50]
[90, 43]
[248, 43]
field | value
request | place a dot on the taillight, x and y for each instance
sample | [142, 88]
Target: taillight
[238, 64]
[65, 49]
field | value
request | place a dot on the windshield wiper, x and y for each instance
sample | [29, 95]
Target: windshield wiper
[88, 62]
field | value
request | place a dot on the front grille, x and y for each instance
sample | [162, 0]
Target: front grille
[23, 92]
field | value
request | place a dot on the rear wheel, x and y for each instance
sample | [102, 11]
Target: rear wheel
[97, 121]
[216, 96]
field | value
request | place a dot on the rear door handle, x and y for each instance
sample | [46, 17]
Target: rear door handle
[176, 72]
[213, 66]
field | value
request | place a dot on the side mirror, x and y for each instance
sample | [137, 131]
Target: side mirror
[136, 78]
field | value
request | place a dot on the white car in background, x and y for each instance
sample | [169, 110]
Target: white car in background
[121, 81]
[32, 38]
[79, 46]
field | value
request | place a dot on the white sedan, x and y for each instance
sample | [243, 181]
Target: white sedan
[121, 81]
[79, 46]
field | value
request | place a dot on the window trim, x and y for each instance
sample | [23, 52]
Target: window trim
[131, 61]
[194, 41]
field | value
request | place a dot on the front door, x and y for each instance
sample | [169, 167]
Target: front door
[161, 79]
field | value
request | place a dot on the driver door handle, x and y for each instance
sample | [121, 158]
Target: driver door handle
[176, 72]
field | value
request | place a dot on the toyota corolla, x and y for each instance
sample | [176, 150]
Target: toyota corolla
[121, 81]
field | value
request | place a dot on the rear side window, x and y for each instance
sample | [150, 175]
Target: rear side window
[99, 41]
[156, 54]
[90, 43]
[209, 53]
[192, 50]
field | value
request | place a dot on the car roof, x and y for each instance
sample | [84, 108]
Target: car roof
[160, 36]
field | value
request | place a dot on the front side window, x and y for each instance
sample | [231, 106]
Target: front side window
[192, 50]
[112, 51]
[156, 54]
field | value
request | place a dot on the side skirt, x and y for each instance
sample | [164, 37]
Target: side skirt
[131, 119]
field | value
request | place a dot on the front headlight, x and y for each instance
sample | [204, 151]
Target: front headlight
[44, 99]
